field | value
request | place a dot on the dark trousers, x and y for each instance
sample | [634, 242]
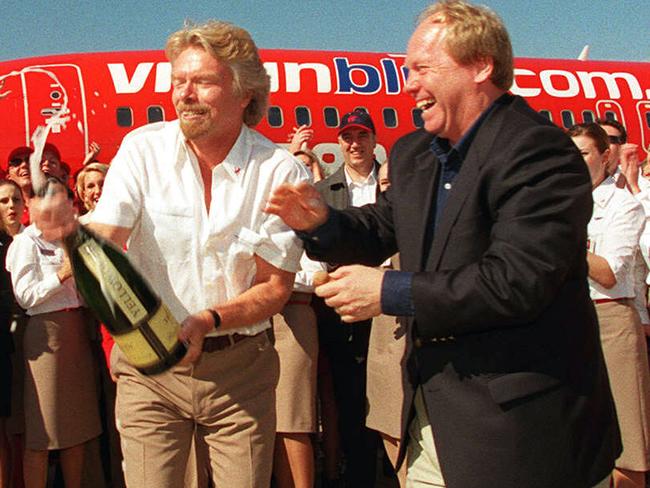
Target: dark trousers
[346, 348]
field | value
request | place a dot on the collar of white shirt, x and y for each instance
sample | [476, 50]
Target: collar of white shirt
[234, 162]
[371, 179]
[604, 192]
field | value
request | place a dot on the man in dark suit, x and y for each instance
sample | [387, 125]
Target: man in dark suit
[488, 208]
[344, 349]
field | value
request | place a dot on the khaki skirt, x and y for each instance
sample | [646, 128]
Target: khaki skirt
[386, 376]
[625, 352]
[296, 341]
[60, 395]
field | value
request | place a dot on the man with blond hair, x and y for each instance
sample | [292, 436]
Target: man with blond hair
[488, 208]
[186, 198]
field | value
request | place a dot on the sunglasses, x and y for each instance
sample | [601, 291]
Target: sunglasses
[18, 161]
[615, 139]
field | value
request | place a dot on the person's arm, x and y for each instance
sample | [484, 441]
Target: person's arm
[612, 259]
[32, 284]
[270, 291]
[600, 271]
[299, 137]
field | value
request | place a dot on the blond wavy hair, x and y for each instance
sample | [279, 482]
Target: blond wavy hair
[474, 33]
[234, 46]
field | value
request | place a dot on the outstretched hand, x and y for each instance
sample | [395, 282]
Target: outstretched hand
[300, 206]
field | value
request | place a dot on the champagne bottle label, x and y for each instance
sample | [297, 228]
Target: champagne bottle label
[136, 344]
[148, 341]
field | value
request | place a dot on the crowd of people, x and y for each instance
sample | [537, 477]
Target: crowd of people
[475, 308]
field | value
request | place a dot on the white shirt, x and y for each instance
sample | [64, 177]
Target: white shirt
[614, 230]
[33, 263]
[362, 193]
[193, 259]
[642, 259]
[305, 277]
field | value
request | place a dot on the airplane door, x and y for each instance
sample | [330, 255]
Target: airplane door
[643, 110]
[608, 109]
[53, 89]
[12, 115]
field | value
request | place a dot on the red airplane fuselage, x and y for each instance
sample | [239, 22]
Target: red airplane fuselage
[103, 96]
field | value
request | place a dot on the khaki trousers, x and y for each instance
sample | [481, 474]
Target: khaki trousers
[423, 466]
[423, 469]
[227, 399]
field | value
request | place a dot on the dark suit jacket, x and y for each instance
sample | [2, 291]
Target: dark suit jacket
[517, 393]
[332, 332]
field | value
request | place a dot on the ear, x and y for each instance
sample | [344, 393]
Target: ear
[246, 99]
[606, 156]
[483, 70]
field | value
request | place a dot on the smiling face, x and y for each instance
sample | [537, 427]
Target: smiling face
[92, 190]
[358, 148]
[447, 93]
[11, 207]
[204, 96]
[18, 170]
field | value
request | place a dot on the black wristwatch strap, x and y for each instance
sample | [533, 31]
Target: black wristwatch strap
[216, 317]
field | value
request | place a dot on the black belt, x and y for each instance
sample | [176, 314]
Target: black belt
[218, 343]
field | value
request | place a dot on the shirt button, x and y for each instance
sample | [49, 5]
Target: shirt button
[447, 186]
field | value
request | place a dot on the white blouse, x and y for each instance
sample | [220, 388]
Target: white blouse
[33, 263]
[614, 231]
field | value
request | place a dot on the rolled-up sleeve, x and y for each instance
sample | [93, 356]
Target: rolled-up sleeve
[619, 242]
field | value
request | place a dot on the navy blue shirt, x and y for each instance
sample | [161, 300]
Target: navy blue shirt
[396, 296]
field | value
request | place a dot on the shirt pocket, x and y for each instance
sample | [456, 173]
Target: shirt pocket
[173, 228]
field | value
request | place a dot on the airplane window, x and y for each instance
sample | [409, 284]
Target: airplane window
[567, 118]
[302, 116]
[155, 113]
[417, 117]
[547, 114]
[55, 94]
[609, 115]
[274, 116]
[361, 109]
[390, 117]
[124, 117]
[588, 116]
[331, 116]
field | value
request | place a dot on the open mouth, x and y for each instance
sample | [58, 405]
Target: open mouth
[425, 104]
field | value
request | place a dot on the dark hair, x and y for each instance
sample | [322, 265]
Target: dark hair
[592, 130]
[617, 125]
[53, 180]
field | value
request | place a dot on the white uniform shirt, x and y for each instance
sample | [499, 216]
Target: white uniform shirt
[33, 263]
[642, 261]
[614, 230]
[192, 259]
[364, 192]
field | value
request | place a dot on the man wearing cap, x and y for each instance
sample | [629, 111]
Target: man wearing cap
[345, 348]
[18, 172]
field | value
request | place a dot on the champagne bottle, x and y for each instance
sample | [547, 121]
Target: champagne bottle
[142, 326]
